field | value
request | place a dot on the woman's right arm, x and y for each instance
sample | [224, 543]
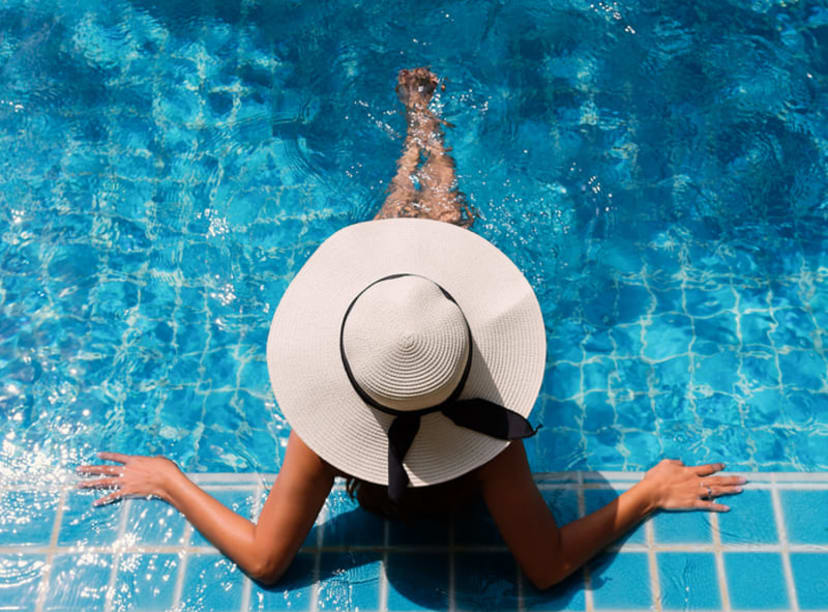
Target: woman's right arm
[548, 554]
[263, 550]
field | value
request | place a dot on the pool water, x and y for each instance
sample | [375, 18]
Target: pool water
[657, 173]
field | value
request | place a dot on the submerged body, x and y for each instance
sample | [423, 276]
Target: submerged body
[546, 553]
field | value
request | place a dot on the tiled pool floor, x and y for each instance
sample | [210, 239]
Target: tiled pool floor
[769, 552]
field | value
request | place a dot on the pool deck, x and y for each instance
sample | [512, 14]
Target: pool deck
[769, 553]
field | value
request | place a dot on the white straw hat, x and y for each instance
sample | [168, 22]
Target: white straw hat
[409, 330]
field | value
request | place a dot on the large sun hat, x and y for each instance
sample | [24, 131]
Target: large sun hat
[407, 351]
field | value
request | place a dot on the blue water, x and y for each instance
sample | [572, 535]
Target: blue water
[658, 175]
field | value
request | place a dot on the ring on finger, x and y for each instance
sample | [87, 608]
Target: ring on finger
[708, 491]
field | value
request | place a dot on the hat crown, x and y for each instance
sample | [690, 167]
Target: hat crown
[406, 343]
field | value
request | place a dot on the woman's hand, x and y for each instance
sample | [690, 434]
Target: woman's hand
[674, 486]
[139, 476]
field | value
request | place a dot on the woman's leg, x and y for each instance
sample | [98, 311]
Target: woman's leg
[438, 198]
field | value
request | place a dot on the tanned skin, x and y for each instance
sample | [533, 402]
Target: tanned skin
[438, 196]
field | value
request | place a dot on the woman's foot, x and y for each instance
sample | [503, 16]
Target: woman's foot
[416, 87]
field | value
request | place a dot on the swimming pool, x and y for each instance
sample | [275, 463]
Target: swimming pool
[658, 175]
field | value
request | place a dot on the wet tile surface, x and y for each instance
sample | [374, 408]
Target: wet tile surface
[353, 560]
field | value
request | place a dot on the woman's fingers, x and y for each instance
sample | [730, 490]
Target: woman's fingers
[115, 470]
[709, 505]
[101, 483]
[119, 457]
[706, 470]
[106, 469]
[717, 491]
[725, 480]
[108, 499]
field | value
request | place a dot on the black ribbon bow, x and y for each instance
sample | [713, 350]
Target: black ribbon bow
[477, 414]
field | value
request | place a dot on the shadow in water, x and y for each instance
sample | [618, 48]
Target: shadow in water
[421, 559]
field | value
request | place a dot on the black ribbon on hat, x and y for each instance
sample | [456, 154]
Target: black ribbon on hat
[477, 414]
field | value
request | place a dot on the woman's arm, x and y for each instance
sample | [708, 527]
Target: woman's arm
[263, 550]
[548, 554]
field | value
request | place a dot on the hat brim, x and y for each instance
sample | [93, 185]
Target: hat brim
[305, 368]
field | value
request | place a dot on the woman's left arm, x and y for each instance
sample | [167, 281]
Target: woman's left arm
[262, 550]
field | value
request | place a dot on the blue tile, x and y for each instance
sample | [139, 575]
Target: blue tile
[635, 411]
[596, 374]
[79, 582]
[418, 581]
[688, 581]
[477, 527]
[810, 579]
[612, 577]
[598, 341]
[485, 581]
[292, 592]
[765, 407]
[632, 375]
[633, 302]
[566, 595]
[239, 501]
[565, 381]
[146, 581]
[705, 303]
[349, 580]
[755, 581]
[750, 520]
[347, 524]
[806, 521]
[671, 373]
[755, 328]
[717, 371]
[795, 328]
[604, 448]
[19, 580]
[152, 522]
[564, 342]
[26, 517]
[668, 335]
[714, 333]
[668, 300]
[563, 503]
[86, 524]
[681, 527]
[598, 498]
[598, 412]
[760, 370]
[627, 339]
[557, 449]
[211, 582]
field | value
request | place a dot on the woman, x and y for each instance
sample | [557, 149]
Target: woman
[406, 355]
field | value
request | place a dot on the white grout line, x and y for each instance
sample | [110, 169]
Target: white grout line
[382, 604]
[652, 562]
[117, 551]
[50, 552]
[317, 557]
[183, 556]
[247, 584]
[782, 531]
[721, 574]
